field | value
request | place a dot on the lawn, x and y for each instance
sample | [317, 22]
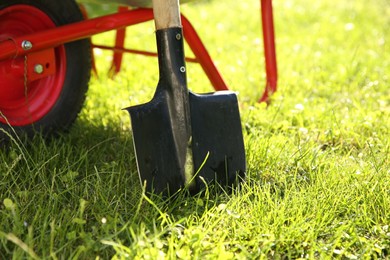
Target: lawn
[318, 157]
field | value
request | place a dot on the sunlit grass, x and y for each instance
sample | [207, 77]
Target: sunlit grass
[318, 180]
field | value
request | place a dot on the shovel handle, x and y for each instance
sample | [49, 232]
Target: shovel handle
[166, 14]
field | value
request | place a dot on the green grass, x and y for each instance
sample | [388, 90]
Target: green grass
[318, 180]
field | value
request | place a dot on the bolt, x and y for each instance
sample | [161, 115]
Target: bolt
[183, 69]
[26, 45]
[38, 68]
[178, 36]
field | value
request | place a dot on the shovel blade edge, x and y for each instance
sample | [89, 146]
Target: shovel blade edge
[217, 133]
[158, 147]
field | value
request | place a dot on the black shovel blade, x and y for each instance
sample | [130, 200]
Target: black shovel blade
[178, 132]
[217, 140]
[160, 150]
[161, 128]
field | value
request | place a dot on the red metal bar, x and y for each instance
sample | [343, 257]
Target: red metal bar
[145, 53]
[202, 55]
[46, 59]
[269, 49]
[93, 63]
[84, 29]
[71, 32]
[119, 43]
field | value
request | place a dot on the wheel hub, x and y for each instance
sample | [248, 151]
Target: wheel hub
[30, 85]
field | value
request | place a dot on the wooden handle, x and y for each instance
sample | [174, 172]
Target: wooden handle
[166, 14]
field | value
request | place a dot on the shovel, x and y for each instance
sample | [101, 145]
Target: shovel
[182, 139]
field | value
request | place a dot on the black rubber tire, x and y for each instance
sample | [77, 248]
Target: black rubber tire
[77, 75]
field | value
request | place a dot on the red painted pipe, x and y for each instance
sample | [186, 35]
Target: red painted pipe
[202, 55]
[87, 28]
[269, 49]
[132, 51]
[119, 43]
[71, 32]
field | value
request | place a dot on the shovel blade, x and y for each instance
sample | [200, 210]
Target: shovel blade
[161, 128]
[160, 150]
[217, 140]
[178, 132]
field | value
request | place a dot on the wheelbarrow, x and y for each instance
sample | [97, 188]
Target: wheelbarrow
[45, 60]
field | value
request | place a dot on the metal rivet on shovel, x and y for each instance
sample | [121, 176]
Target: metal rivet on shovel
[178, 133]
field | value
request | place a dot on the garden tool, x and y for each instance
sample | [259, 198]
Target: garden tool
[183, 139]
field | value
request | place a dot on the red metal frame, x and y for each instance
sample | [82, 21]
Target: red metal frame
[269, 49]
[202, 56]
[85, 15]
[119, 43]
[71, 32]
[54, 37]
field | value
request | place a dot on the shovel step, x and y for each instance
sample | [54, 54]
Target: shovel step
[217, 136]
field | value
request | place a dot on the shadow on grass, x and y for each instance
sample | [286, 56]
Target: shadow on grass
[88, 155]
[82, 188]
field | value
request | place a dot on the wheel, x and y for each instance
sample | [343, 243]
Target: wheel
[42, 91]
